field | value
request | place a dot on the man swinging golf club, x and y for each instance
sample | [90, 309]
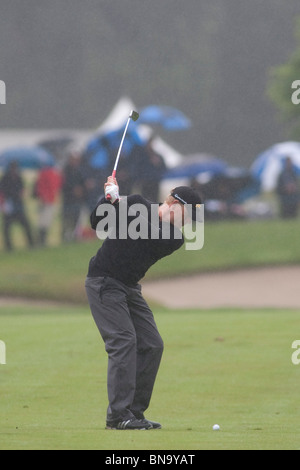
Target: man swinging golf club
[125, 321]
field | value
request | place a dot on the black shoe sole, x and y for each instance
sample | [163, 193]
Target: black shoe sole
[111, 428]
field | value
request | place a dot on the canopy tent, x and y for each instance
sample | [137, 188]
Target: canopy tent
[108, 137]
[269, 164]
[117, 116]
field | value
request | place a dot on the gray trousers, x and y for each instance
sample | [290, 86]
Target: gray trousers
[132, 342]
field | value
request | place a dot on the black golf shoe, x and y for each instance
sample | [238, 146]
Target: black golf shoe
[130, 425]
[153, 424]
[141, 417]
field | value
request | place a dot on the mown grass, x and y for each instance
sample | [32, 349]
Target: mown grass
[233, 368]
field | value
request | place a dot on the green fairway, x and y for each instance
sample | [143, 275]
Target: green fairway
[233, 368]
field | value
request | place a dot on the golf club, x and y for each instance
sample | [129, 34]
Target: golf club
[134, 115]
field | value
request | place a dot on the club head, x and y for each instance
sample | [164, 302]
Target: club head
[134, 115]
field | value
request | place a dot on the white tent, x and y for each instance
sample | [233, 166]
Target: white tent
[118, 117]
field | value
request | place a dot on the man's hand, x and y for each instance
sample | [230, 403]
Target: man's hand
[111, 190]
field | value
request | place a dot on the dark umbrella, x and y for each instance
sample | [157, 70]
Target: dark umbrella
[56, 145]
[234, 184]
[193, 166]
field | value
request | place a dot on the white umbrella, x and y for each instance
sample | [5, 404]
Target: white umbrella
[268, 165]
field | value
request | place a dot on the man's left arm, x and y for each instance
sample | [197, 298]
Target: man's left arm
[111, 189]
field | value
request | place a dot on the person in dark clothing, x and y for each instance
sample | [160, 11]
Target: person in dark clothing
[288, 190]
[124, 319]
[145, 167]
[73, 193]
[153, 172]
[12, 189]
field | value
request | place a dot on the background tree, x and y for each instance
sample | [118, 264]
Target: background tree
[280, 89]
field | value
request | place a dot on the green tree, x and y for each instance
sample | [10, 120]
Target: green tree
[283, 89]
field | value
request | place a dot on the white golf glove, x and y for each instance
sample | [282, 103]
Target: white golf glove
[112, 193]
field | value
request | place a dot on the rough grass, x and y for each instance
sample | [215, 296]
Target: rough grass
[58, 272]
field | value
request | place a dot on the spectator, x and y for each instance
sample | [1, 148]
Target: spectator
[147, 167]
[288, 190]
[155, 168]
[47, 189]
[12, 190]
[93, 177]
[73, 192]
[96, 175]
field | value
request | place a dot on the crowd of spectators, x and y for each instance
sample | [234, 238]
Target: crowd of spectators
[69, 192]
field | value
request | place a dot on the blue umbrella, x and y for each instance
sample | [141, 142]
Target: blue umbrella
[132, 139]
[33, 158]
[169, 118]
[101, 150]
[100, 159]
[97, 153]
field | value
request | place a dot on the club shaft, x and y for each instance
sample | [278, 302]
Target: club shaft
[134, 116]
[120, 148]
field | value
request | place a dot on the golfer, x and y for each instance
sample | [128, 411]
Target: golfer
[125, 321]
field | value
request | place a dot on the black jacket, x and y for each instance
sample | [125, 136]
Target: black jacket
[127, 259]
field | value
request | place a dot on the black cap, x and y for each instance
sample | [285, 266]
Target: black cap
[190, 197]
